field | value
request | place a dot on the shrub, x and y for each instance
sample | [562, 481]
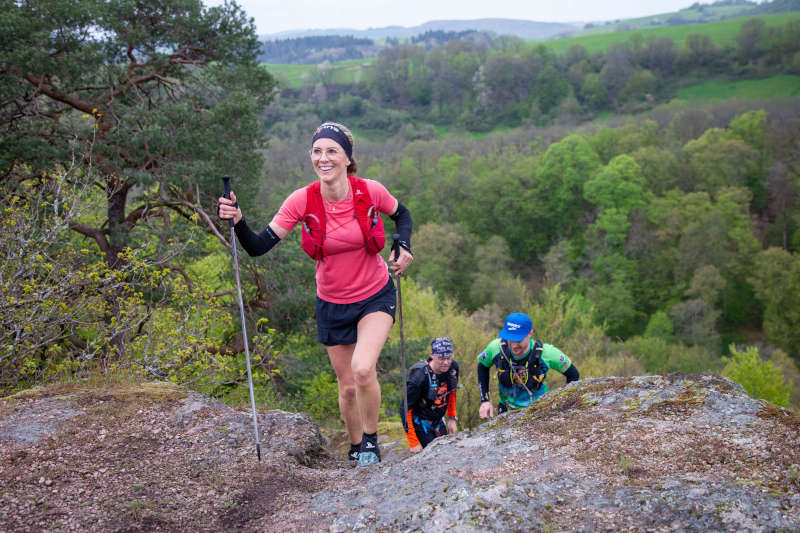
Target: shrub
[761, 379]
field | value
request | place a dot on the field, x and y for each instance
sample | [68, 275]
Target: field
[293, 76]
[722, 33]
[784, 85]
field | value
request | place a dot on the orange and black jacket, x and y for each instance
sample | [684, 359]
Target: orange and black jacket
[430, 396]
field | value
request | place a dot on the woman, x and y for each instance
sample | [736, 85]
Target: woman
[355, 294]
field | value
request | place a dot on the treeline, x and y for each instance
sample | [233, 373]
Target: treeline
[316, 49]
[433, 38]
[480, 86]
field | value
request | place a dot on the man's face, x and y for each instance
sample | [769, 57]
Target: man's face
[518, 348]
[440, 364]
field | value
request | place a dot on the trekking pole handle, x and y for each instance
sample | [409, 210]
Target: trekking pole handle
[226, 180]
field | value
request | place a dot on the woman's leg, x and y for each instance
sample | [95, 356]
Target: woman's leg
[341, 357]
[373, 330]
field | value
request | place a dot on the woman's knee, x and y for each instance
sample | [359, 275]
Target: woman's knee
[364, 375]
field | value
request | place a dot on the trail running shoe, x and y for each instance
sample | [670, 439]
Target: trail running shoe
[370, 452]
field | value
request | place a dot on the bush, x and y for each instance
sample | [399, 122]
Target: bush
[761, 379]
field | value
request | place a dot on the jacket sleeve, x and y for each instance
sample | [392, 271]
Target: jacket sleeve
[451, 405]
[483, 382]
[572, 374]
[451, 401]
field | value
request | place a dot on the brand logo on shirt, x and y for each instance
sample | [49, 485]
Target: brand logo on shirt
[358, 191]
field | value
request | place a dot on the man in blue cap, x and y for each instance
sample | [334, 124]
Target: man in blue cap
[522, 364]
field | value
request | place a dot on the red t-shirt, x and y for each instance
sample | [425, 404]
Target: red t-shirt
[347, 273]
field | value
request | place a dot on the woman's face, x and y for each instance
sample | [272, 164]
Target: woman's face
[329, 160]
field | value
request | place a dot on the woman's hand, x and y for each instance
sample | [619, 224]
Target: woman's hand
[486, 410]
[401, 262]
[452, 427]
[227, 209]
[416, 449]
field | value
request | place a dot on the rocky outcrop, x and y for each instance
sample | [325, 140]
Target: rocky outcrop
[649, 453]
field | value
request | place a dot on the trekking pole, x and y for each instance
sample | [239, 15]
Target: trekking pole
[396, 250]
[227, 181]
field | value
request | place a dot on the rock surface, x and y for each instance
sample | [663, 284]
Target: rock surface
[649, 453]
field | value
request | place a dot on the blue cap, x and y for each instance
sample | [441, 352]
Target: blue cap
[516, 328]
[442, 347]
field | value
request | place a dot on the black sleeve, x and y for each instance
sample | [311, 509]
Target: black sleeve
[255, 243]
[483, 382]
[572, 374]
[403, 225]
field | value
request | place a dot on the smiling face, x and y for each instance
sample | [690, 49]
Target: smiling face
[329, 160]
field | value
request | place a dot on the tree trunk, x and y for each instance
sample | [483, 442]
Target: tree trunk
[118, 240]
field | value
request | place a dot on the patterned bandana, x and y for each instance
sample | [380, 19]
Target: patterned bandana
[442, 347]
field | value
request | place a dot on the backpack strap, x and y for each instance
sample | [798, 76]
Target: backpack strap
[314, 222]
[366, 212]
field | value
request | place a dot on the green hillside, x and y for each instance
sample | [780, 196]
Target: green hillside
[697, 14]
[781, 86]
[294, 76]
[722, 33]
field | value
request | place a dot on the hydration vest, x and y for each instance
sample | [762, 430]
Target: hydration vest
[434, 399]
[314, 220]
[529, 371]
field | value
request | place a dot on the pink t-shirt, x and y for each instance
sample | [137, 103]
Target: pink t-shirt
[347, 273]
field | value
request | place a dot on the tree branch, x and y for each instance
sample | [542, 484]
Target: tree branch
[98, 235]
[57, 96]
[183, 274]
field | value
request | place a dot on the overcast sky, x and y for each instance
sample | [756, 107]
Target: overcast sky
[273, 16]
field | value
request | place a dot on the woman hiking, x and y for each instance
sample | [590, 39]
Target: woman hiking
[356, 296]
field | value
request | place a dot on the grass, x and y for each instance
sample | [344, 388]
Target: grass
[294, 76]
[781, 86]
[722, 33]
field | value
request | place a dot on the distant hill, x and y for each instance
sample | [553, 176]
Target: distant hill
[526, 29]
[695, 14]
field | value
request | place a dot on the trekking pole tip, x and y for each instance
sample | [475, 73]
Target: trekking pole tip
[258, 452]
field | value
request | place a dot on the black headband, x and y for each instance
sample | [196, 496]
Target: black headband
[329, 131]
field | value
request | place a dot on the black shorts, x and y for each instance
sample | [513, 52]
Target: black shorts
[338, 323]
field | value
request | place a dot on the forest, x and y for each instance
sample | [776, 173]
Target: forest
[642, 234]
